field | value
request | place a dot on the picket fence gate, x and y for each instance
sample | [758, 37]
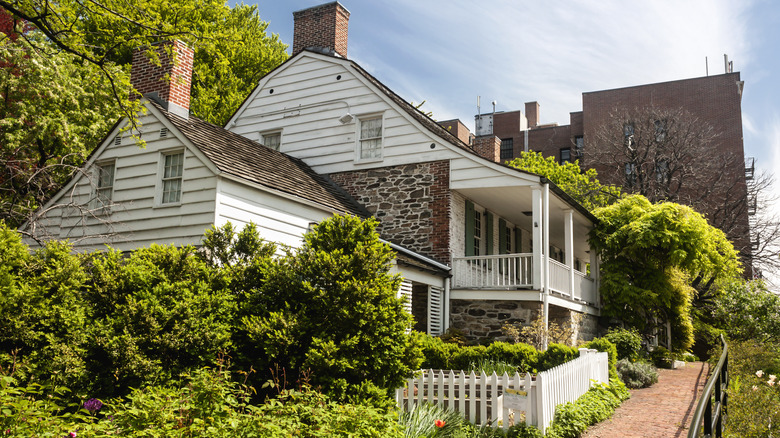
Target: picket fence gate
[501, 400]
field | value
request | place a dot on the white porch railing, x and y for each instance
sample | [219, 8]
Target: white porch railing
[492, 271]
[484, 399]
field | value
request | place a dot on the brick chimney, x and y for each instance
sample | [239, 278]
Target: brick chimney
[322, 28]
[488, 146]
[170, 83]
[532, 114]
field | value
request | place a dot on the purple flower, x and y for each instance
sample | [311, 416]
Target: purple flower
[93, 405]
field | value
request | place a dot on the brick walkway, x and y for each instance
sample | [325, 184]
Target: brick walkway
[663, 410]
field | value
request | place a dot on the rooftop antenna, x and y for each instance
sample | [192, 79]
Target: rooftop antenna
[478, 112]
[706, 66]
[494, 106]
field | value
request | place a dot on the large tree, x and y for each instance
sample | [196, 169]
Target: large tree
[64, 79]
[668, 154]
[232, 48]
[657, 261]
[584, 187]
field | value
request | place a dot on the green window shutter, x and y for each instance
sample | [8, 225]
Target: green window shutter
[489, 233]
[469, 228]
[502, 237]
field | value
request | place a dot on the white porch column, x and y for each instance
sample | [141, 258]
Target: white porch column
[536, 236]
[545, 260]
[568, 233]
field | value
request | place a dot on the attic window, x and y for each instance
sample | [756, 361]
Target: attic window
[163, 132]
[173, 169]
[272, 140]
[370, 139]
[117, 140]
[104, 186]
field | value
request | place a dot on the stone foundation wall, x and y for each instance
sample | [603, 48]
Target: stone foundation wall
[483, 319]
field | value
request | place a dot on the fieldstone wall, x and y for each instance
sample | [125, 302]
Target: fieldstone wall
[483, 319]
[412, 203]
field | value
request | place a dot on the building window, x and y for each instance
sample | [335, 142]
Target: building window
[272, 140]
[477, 231]
[628, 135]
[370, 138]
[566, 155]
[660, 130]
[662, 171]
[508, 240]
[579, 146]
[173, 169]
[630, 174]
[105, 183]
[507, 149]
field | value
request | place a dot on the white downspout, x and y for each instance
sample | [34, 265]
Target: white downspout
[446, 322]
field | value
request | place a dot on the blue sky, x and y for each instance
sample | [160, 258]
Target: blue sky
[449, 52]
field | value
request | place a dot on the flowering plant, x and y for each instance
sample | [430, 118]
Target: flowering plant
[440, 423]
[93, 405]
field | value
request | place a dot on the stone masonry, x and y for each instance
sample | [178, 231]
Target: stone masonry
[412, 203]
[483, 319]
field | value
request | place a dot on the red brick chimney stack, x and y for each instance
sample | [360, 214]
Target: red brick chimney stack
[322, 28]
[488, 146]
[170, 83]
[532, 114]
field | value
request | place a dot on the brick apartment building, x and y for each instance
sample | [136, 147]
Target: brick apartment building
[716, 183]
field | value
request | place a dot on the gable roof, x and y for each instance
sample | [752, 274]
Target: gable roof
[246, 159]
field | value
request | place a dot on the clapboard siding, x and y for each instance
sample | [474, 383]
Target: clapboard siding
[278, 219]
[136, 215]
[467, 172]
[308, 101]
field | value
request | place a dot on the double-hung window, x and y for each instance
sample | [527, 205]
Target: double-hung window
[370, 140]
[173, 169]
[104, 187]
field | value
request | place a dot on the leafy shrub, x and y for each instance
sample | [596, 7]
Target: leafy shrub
[598, 404]
[689, 357]
[556, 354]
[753, 394]
[605, 346]
[662, 358]
[207, 403]
[490, 366]
[637, 374]
[440, 355]
[330, 308]
[628, 342]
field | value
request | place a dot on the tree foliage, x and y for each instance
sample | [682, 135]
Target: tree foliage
[660, 153]
[656, 260]
[747, 311]
[584, 187]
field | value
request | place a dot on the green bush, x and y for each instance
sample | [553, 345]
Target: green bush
[440, 355]
[637, 374]
[662, 358]
[605, 346]
[628, 342]
[556, 354]
[598, 404]
[329, 309]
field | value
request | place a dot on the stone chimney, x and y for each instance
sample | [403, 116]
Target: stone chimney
[322, 28]
[170, 83]
[532, 114]
[488, 146]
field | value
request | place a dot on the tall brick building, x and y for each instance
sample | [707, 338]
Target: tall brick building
[716, 183]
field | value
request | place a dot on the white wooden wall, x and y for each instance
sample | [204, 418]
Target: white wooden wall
[306, 103]
[135, 216]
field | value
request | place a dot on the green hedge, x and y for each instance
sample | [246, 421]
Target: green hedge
[596, 405]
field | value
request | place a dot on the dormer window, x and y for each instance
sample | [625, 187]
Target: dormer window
[370, 139]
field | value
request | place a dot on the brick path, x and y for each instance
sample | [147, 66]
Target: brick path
[663, 410]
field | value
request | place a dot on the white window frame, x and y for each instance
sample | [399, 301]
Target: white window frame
[98, 202]
[265, 135]
[359, 140]
[161, 178]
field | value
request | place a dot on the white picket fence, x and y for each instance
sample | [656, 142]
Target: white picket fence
[505, 400]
